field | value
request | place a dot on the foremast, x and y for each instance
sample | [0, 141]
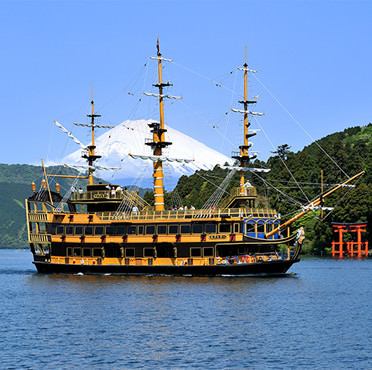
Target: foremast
[88, 150]
[158, 142]
[91, 157]
[243, 155]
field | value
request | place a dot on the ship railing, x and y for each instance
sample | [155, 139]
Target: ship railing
[146, 214]
[247, 192]
[237, 192]
[38, 216]
[39, 238]
[191, 214]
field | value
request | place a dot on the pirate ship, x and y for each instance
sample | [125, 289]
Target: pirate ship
[108, 229]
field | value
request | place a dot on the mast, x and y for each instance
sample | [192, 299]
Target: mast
[91, 157]
[158, 142]
[243, 156]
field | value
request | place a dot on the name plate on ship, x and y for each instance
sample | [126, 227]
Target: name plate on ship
[105, 195]
[217, 236]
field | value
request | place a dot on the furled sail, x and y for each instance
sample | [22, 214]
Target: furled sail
[81, 166]
[160, 158]
[238, 168]
[69, 134]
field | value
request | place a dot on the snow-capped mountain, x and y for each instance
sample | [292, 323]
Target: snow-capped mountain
[129, 137]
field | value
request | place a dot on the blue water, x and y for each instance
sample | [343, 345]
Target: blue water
[319, 316]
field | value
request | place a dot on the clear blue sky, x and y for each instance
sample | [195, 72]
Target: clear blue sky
[313, 56]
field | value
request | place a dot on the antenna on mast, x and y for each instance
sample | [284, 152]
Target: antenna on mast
[92, 102]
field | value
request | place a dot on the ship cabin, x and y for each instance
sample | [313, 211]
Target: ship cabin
[108, 224]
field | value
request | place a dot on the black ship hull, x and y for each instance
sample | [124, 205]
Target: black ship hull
[269, 267]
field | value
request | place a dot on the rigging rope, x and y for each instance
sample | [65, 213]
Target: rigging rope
[294, 119]
[67, 194]
[175, 198]
[130, 201]
[285, 165]
[291, 199]
[350, 189]
[209, 123]
[210, 205]
[228, 116]
[127, 205]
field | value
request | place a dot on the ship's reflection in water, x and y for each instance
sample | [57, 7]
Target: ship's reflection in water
[316, 317]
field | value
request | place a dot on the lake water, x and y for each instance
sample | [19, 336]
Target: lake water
[318, 316]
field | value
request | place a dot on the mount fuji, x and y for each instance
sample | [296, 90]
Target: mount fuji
[129, 137]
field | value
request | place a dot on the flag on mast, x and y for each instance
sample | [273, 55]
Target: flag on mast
[158, 47]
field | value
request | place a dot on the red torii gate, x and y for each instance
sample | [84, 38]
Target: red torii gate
[341, 228]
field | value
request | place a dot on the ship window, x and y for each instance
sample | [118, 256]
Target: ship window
[129, 252]
[236, 228]
[260, 227]
[173, 229]
[69, 252]
[195, 252]
[112, 250]
[60, 230]
[97, 252]
[99, 230]
[162, 229]
[77, 252]
[109, 230]
[197, 228]
[42, 227]
[86, 252]
[269, 227]
[208, 252]
[250, 227]
[89, 230]
[185, 229]
[210, 228]
[140, 230]
[132, 230]
[45, 249]
[150, 230]
[121, 230]
[78, 230]
[225, 228]
[148, 252]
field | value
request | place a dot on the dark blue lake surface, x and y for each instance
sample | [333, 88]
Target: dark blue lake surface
[319, 316]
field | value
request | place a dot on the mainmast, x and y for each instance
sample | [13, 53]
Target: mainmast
[243, 156]
[91, 157]
[158, 139]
